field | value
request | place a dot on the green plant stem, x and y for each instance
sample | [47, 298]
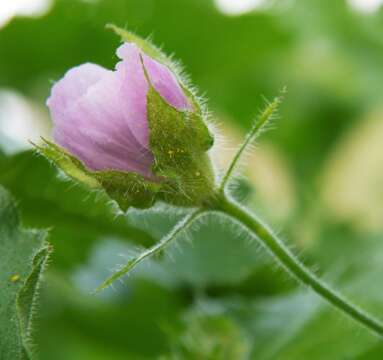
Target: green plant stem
[182, 225]
[290, 262]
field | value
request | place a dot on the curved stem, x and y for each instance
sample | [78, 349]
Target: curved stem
[290, 262]
[155, 249]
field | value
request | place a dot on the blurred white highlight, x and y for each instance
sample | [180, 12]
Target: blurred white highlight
[366, 6]
[238, 7]
[21, 121]
[12, 8]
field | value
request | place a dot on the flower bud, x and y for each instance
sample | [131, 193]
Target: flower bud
[136, 132]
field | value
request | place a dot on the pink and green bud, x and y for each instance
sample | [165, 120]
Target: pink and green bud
[135, 131]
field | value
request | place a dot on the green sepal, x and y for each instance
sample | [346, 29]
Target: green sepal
[179, 141]
[66, 162]
[127, 189]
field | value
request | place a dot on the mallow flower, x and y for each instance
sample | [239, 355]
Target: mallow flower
[136, 131]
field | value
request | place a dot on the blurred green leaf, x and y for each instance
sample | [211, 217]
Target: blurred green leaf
[211, 337]
[23, 257]
[128, 325]
[77, 216]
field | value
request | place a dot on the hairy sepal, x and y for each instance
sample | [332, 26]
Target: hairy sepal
[126, 188]
[179, 141]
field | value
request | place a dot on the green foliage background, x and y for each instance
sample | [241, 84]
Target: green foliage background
[317, 177]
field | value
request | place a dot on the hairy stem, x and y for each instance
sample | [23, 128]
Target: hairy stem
[290, 262]
[155, 249]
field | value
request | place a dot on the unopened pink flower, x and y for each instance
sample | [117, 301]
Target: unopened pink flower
[100, 115]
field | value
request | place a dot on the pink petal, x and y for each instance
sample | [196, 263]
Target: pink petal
[92, 124]
[74, 84]
[162, 79]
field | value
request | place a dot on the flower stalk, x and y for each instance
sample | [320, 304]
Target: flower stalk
[292, 265]
[222, 203]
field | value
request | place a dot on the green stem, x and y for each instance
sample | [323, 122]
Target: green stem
[290, 262]
[155, 249]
